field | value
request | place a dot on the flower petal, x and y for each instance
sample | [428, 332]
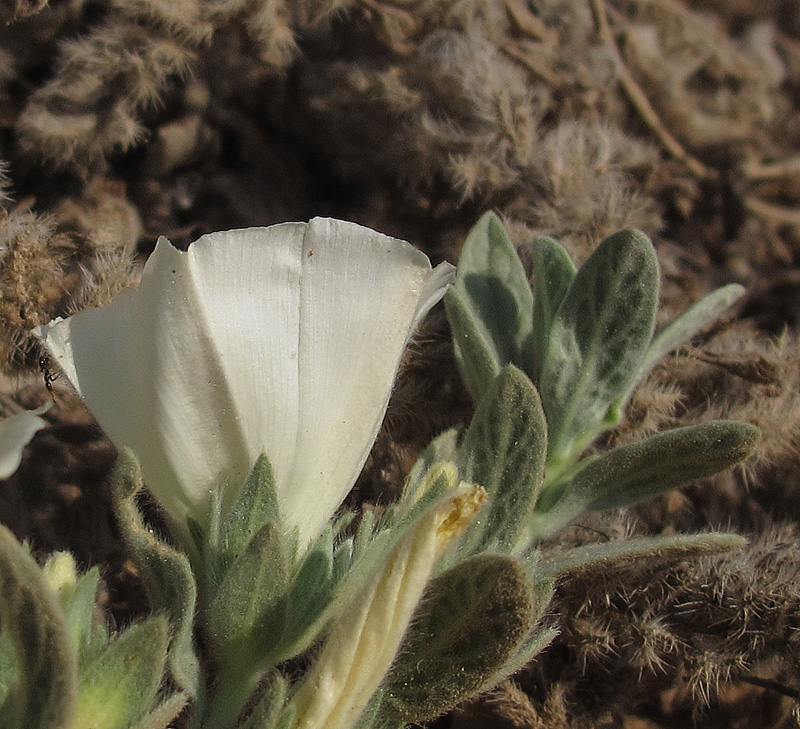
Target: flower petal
[15, 433]
[361, 298]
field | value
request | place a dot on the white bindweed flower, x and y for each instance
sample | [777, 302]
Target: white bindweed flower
[362, 646]
[15, 433]
[282, 340]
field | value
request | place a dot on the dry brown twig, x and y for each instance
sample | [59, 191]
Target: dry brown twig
[774, 213]
[756, 170]
[639, 99]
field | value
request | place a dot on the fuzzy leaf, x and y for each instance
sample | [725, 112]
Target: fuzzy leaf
[251, 600]
[640, 471]
[539, 636]
[504, 450]
[490, 306]
[598, 341]
[467, 626]
[477, 359]
[671, 548]
[553, 273]
[166, 573]
[705, 311]
[119, 687]
[44, 695]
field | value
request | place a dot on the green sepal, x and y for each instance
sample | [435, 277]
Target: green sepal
[672, 548]
[597, 342]
[247, 615]
[444, 447]
[44, 694]
[77, 596]
[255, 505]
[468, 624]
[165, 713]
[165, 572]
[504, 450]
[490, 306]
[119, 687]
[553, 273]
[79, 613]
[703, 313]
[310, 594]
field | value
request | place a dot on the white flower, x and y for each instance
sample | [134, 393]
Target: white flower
[15, 433]
[282, 340]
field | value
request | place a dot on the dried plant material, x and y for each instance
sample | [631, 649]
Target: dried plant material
[703, 622]
[89, 110]
[103, 215]
[13, 10]
[586, 173]
[710, 90]
[32, 259]
[53, 265]
[639, 99]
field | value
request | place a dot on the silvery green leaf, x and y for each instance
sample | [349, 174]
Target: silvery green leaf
[477, 359]
[44, 695]
[470, 622]
[504, 450]
[539, 636]
[553, 273]
[639, 471]
[705, 311]
[370, 717]
[598, 341]
[165, 572]
[120, 685]
[490, 306]
[671, 548]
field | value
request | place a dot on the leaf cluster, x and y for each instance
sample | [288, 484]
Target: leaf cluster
[59, 668]
[580, 340]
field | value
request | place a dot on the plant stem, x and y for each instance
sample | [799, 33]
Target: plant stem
[233, 691]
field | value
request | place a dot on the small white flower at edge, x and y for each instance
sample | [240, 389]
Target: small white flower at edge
[15, 433]
[282, 340]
